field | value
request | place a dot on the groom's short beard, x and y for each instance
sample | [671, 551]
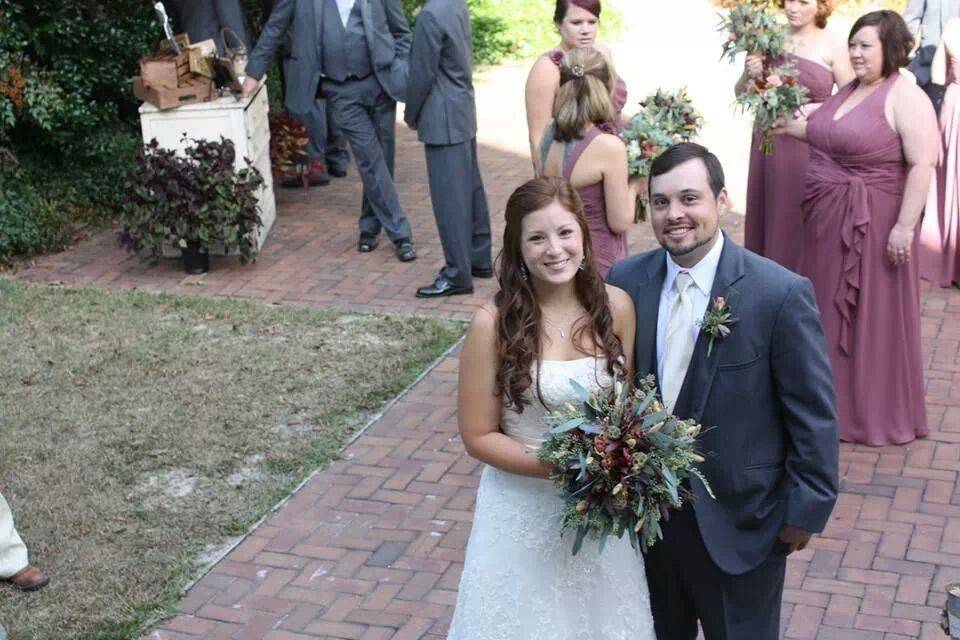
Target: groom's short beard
[682, 251]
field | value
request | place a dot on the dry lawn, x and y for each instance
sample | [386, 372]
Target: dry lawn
[140, 431]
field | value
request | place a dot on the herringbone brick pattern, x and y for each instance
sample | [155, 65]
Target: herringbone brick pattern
[372, 547]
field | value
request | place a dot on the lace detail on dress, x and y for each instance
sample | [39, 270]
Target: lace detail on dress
[520, 580]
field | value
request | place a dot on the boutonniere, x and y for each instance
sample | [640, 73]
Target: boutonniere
[717, 321]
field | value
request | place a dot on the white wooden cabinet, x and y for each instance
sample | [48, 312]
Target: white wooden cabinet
[243, 121]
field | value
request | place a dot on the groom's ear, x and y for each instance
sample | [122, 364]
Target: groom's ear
[723, 202]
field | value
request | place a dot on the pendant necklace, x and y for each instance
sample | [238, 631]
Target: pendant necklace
[560, 327]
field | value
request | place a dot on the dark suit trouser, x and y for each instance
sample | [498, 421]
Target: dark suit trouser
[686, 586]
[367, 116]
[326, 142]
[460, 209]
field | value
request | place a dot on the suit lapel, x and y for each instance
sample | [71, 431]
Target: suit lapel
[647, 299]
[696, 385]
[367, 22]
[319, 13]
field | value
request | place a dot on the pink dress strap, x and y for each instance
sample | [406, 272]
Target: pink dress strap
[570, 159]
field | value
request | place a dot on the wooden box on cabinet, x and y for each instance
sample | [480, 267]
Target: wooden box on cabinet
[243, 121]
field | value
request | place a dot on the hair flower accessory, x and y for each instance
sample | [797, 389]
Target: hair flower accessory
[717, 321]
[576, 70]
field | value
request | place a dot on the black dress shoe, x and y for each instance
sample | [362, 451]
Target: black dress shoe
[442, 287]
[337, 172]
[405, 252]
[366, 244]
[476, 272]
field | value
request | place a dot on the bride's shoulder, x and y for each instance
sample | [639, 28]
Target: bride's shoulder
[485, 317]
[621, 304]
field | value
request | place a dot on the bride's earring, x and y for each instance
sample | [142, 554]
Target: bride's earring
[583, 261]
[523, 272]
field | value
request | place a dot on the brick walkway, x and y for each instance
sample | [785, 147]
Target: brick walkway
[372, 547]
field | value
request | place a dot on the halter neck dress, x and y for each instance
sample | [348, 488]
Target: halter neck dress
[608, 246]
[870, 308]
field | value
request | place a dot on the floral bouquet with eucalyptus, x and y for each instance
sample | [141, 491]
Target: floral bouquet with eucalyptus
[665, 118]
[773, 96]
[752, 28]
[620, 459]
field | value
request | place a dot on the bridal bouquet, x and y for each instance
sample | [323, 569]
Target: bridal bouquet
[665, 118]
[751, 28]
[777, 94]
[619, 460]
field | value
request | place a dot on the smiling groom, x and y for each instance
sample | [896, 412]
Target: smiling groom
[762, 381]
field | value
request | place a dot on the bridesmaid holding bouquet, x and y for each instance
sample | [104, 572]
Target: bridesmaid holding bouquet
[773, 226]
[873, 149]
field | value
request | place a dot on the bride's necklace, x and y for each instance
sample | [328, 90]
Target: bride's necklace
[567, 322]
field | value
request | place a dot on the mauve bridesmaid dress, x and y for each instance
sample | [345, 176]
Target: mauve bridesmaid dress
[940, 231]
[774, 225]
[870, 308]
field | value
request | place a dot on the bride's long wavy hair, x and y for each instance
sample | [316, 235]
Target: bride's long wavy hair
[519, 338]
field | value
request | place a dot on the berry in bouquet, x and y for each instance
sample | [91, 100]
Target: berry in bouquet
[665, 118]
[775, 95]
[620, 460]
[752, 28]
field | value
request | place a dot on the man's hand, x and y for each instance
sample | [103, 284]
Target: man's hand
[412, 125]
[796, 538]
[250, 85]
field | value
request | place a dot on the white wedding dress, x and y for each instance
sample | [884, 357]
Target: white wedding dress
[520, 580]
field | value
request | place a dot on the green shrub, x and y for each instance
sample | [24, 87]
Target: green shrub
[74, 59]
[26, 226]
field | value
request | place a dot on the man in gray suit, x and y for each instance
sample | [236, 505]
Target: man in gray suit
[206, 19]
[354, 54]
[442, 109]
[766, 389]
[927, 17]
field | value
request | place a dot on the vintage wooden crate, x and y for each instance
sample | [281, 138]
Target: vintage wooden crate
[167, 69]
[195, 89]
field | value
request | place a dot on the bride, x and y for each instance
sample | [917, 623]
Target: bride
[552, 321]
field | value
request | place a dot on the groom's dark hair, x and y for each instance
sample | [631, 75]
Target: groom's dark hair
[680, 153]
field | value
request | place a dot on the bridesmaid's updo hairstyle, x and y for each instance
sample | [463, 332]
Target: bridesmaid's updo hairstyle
[593, 6]
[585, 96]
[824, 9]
[518, 311]
[895, 38]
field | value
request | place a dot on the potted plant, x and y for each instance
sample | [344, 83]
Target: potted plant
[192, 202]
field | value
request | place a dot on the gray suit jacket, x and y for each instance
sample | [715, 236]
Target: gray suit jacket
[205, 19]
[388, 37]
[440, 97]
[928, 17]
[772, 456]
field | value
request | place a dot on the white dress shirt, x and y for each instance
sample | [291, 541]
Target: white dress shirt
[345, 7]
[703, 274]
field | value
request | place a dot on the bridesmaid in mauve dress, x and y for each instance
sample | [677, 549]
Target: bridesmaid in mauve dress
[872, 153]
[940, 231]
[590, 155]
[577, 23]
[774, 225]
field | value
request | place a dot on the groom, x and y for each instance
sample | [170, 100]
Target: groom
[766, 389]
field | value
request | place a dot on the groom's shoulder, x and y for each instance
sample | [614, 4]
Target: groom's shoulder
[628, 268]
[767, 278]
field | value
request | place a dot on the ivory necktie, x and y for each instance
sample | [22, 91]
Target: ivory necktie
[679, 342]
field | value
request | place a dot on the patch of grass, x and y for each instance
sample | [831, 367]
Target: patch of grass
[138, 431]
